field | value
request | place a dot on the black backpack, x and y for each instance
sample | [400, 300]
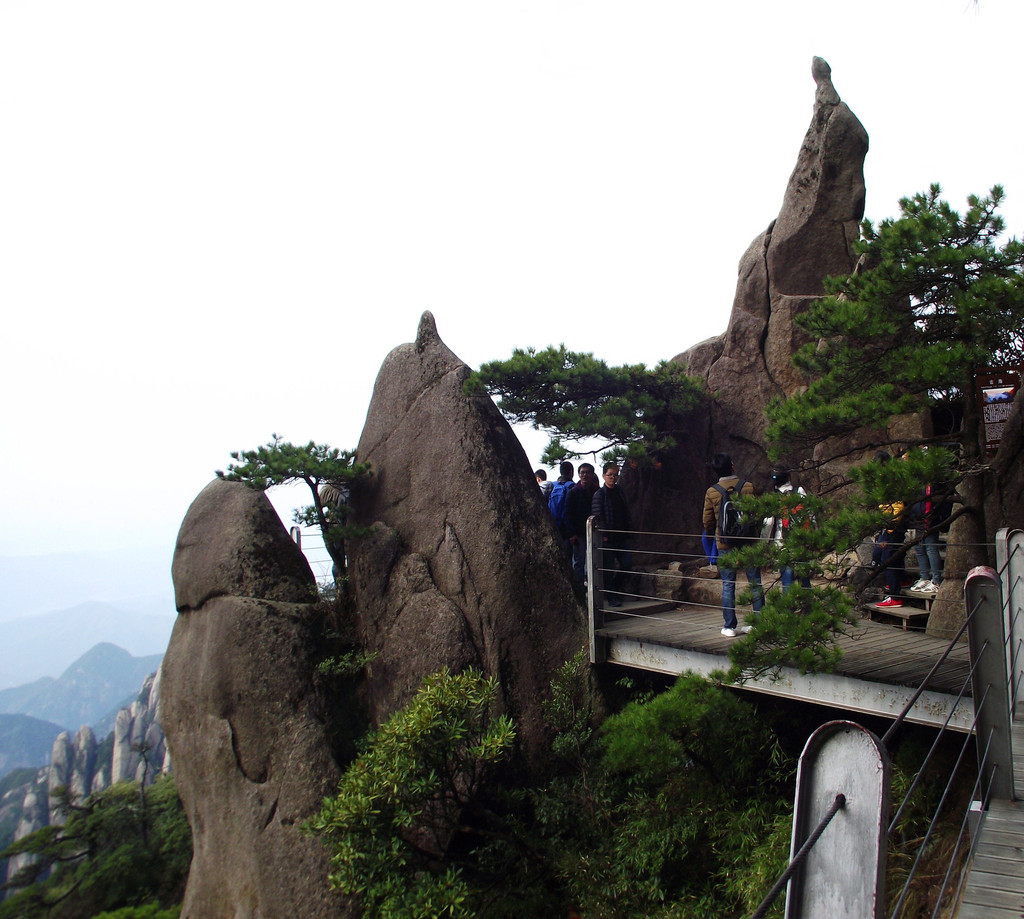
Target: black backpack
[733, 525]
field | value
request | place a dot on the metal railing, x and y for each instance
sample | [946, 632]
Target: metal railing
[844, 821]
[311, 541]
[993, 613]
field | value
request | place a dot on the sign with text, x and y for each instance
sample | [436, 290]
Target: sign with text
[997, 388]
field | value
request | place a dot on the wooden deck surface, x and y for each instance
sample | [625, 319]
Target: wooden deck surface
[877, 652]
[995, 885]
[884, 653]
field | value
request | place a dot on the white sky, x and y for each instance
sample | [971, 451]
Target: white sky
[216, 218]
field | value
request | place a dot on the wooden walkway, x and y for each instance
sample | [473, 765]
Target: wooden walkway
[995, 885]
[882, 664]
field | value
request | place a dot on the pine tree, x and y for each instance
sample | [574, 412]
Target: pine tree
[936, 296]
[630, 410]
[328, 472]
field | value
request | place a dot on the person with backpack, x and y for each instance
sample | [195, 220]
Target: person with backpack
[731, 529]
[558, 504]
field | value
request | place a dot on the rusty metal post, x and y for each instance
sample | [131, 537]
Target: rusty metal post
[843, 873]
[1010, 565]
[991, 684]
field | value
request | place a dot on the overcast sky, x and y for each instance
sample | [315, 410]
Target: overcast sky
[216, 218]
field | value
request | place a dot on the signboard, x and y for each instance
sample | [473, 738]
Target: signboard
[997, 388]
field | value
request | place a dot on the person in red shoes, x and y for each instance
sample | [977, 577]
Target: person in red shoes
[888, 541]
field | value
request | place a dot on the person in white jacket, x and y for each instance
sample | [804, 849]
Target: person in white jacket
[775, 527]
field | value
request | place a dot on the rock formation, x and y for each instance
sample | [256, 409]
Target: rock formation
[459, 564]
[33, 817]
[246, 731]
[1007, 501]
[136, 751]
[463, 566]
[782, 271]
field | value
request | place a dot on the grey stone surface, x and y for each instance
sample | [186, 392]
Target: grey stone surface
[243, 721]
[251, 554]
[780, 273]
[1007, 502]
[464, 566]
[783, 271]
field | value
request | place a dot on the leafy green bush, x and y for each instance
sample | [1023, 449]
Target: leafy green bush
[677, 806]
[403, 801]
[118, 848]
[684, 785]
[150, 911]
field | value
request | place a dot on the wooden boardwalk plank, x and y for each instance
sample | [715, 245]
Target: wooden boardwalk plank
[984, 911]
[1007, 881]
[877, 652]
[995, 883]
[873, 651]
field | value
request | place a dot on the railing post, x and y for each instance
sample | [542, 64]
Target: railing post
[983, 595]
[595, 588]
[1010, 565]
[843, 874]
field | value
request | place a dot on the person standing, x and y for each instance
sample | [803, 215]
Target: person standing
[778, 526]
[728, 485]
[580, 500]
[888, 542]
[612, 512]
[558, 504]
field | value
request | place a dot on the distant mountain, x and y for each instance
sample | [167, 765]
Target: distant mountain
[100, 681]
[33, 584]
[83, 763]
[43, 646]
[17, 698]
[25, 742]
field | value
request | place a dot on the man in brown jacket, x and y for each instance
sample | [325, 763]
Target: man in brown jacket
[728, 483]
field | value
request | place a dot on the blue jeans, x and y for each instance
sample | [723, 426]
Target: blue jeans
[789, 578]
[885, 548]
[578, 554]
[729, 588]
[929, 561]
[617, 561]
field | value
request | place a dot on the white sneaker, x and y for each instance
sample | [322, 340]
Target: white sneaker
[729, 633]
[921, 584]
[746, 628]
[931, 587]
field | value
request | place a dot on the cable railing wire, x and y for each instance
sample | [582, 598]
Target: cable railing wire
[984, 800]
[682, 578]
[986, 767]
[935, 746]
[847, 560]
[895, 726]
[911, 875]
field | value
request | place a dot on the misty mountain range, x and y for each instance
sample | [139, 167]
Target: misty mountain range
[54, 608]
[33, 584]
[89, 692]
